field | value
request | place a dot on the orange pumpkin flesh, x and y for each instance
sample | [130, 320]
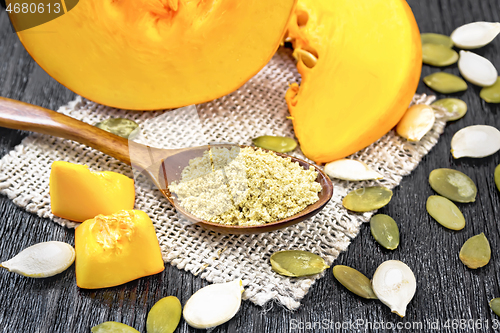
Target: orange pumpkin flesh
[154, 54]
[367, 71]
[115, 249]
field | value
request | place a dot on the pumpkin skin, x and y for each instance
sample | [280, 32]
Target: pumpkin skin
[156, 54]
[368, 67]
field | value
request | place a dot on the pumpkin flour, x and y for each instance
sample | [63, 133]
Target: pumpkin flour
[245, 187]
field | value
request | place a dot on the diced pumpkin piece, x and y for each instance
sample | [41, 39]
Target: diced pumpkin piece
[360, 63]
[115, 249]
[155, 54]
[78, 194]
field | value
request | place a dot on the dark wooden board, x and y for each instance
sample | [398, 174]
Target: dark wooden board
[447, 292]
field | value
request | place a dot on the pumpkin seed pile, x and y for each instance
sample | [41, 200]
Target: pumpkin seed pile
[476, 252]
[125, 128]
[366, 199]
[297, 263]
[437, 51]
[385, 231]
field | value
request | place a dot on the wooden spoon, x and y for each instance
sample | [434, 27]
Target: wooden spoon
[154, 162]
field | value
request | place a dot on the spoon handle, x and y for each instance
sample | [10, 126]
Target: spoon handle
[23, 116]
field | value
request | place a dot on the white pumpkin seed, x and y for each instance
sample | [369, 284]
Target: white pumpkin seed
[475, 141]
[42, 260]
[394, 284]
[416, 122]
[475, 35]
[346, 169]
[476, 69]
[214, 304]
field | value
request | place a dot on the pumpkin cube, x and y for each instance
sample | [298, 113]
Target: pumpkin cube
[115, 249]
[78, 194]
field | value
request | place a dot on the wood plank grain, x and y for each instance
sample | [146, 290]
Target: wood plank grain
[446, 289]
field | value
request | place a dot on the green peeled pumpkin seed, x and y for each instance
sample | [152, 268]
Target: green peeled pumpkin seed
[495, 306]
[445, 212]
[385, 231]
[113, 327]
[445, 83]
[454, 106]
[275, 143]
[453, 185]
[354, 281]
[491, 94]
[297, 263]
[438, 55]
[164, 316]
[125, 128]
[432, 38]
[476, 251]
[366, 199]
[497, 177]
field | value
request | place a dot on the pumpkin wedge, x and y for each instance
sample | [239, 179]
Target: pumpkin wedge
[360, 63]
[155, 54]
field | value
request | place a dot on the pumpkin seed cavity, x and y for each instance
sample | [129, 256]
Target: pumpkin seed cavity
[366, 199]
[495, 306]
[353, 170]
[475, 141]
[354, 281]
[438, 39]
[296, 263]
[445, 83]
[113, 327]
[491, 94]
[445, 212]
[476, 252]
[416, 122]
[455, 108]
[453, 185]
[475, 35]
[385, 231]
[476, 69]
[42, 260]
[275, 143]
[125, 128]
[164, 316]
[438, 55]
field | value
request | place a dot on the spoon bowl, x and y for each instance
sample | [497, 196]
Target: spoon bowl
[162, 166]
